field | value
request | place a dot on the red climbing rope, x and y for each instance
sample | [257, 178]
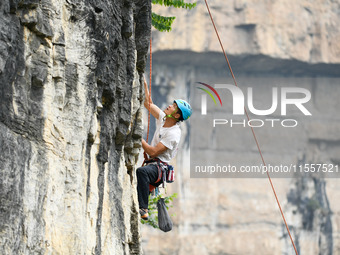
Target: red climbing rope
[257, 144]
[150, 76]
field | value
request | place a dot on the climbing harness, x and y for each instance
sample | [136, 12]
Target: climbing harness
[166, 173]
[256, 141]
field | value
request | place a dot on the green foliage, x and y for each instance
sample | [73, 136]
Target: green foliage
[175, 3]
[163, 23]
[153, 212]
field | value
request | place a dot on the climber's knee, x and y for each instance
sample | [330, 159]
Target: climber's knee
[140, 171]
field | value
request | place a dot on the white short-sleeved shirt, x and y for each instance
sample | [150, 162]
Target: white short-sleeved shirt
[168, 136]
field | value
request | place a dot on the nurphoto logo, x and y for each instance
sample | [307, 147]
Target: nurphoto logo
[288, 96]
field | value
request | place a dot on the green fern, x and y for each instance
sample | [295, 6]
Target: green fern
[175, 3]
[163, 23]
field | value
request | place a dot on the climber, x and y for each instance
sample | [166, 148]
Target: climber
[163, 146]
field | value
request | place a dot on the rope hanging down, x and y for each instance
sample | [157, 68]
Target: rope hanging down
[257, 144]
[150, 78]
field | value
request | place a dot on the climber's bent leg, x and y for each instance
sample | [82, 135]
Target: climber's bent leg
[145, 175]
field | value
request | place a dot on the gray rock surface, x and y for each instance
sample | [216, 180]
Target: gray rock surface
[70, 125]
[303, 30]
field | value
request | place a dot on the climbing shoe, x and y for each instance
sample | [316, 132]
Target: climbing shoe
[144, 214]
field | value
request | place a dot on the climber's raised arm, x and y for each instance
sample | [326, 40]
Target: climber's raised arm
[153, 108]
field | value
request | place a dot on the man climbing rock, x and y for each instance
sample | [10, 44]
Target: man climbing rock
[163, 146]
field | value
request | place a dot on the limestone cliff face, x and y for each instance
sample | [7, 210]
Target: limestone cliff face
[285, 29]
[70, 125]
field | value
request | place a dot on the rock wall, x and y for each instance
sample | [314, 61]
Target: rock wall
[70, 125]
[304, 30]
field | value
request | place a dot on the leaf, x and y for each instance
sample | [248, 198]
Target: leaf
[175, 3]
[163, 23]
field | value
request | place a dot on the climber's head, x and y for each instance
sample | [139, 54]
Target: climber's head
[184, 109]
[180, 110]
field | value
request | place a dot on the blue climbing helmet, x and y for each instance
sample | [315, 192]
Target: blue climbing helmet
[185, 108]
